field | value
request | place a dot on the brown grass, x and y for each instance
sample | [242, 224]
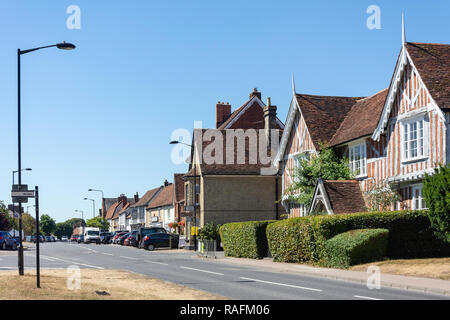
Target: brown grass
[118, 284]
[437, 268]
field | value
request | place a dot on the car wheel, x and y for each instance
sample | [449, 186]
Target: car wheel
[14, 246]
[151, 247]
[4, 246]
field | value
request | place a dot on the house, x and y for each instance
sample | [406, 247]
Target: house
[123, 222]
[391, 138]
[160, 211]
[112, 214]
[178, 203]
[137, 209]
[227, 170]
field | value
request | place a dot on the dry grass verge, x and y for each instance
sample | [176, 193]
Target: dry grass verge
[95, 284]
[437, 268]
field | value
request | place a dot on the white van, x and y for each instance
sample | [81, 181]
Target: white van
[92, 235]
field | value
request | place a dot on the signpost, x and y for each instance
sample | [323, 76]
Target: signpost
[38, 236]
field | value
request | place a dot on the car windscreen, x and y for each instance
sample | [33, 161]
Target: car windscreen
[93, 233]
[153, 230]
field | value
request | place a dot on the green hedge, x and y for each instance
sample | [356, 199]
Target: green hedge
[245, 239]
[410, 233]
[356, 247]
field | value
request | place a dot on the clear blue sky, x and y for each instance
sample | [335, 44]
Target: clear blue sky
[101, 116]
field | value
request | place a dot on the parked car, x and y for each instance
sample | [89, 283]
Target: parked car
[122, 238]
[91, 235]
[48, 238]
[7, 241]
[64, 238]
[53, 238]
[117, 236]
[41, 239]
[160, 240]
[74, 238]
[147, 231]
[105, 237]
[131, 240]
[80, 238]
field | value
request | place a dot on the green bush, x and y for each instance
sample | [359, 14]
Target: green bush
[245, 239]
[209, 231]
[356, 247]
[436, 191]
[303, 239]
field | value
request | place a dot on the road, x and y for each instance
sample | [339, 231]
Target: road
[215, 276]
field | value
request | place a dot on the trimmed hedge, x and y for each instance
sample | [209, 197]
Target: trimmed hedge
[410, 233]
[245, 239]
[356, 247]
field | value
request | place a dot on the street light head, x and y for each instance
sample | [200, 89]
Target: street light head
[85, 198]
[28, 169]
[174, 142]
[65, 46]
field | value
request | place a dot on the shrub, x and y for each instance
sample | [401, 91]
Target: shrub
[436, 190]
[210, 231]
[303, 239]
[245, 239]
[355, 247]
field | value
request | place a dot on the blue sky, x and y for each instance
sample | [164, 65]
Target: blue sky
[101, 116]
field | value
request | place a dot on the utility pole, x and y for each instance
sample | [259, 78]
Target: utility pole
[38, 236]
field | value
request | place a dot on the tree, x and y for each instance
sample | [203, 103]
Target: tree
[210, 231]
[76, 222]
[325, 165]
[436, 191]
[63, 229]
[5, 219]
[28, 223]
[47, 224]
[98, 222]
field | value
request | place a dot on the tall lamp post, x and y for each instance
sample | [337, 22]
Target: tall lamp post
[103, 200]
[93, 206]
[195, 192]
[82, 218]
[15, 171]
[64, 46]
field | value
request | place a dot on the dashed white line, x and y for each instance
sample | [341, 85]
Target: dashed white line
[107, 254]
[368, 298]
[200, 270]
[73, 262]
[156, 262]
[282, 284]
[129, 258]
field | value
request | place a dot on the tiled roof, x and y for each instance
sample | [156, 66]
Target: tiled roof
[324, 114]
[178, 186]
[112, 210]
[362, 119]
[345, 196]
[146, 198]
[234, 168]
[164, 198]
[433, 63]
[255, 121]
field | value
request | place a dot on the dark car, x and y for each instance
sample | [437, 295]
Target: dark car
[80, 238]
[147, 231]
[131, 240]
[74, 238]
[117, 236]
[48, 238]
[105, 237]
[7, 241]
[41, 239]
[122, 238]
[160, 240]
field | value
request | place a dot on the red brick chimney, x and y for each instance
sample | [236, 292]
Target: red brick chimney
[166, 183]
[255, 93]
[122, 199]
[223, 111]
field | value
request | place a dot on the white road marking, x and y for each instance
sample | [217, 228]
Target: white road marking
[368, 298]
[200, 270]
[129, 258]
[155, 262]
[81, 264]
[282, 284]
[107, 254]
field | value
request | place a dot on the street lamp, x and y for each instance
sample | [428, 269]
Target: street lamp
[82, 214]
[93, 206]
[15, 171]
[65, 46]
[195, 191]
[103, 200]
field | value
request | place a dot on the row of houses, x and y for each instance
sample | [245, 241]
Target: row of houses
[391, 138]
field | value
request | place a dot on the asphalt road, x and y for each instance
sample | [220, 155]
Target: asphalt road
[219, 277]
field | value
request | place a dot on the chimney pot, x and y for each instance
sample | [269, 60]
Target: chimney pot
[256, 93]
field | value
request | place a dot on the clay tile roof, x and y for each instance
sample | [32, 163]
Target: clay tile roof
[324, 114]
[146, 198]
[111, 210]
[345, 196]
[362, 119]
[178, 186]
[234, 168]
[433, 63]
[164, 198]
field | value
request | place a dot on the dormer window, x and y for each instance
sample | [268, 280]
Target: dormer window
[358, 159]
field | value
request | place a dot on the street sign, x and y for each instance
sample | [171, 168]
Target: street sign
[20, 193]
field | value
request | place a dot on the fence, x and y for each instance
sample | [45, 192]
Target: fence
[207, 248]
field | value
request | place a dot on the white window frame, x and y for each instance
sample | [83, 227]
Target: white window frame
[362, 160]
[418, 188]
[405, 145]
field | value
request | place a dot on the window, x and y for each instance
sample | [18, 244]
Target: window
[413, 142]
[358, 159]
[418, 202]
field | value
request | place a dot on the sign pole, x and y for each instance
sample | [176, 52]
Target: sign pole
[38, 274]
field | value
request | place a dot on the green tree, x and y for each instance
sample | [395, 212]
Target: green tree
[98, 222]
[436, 191]
[63, 229]
[28, 223]
[6, 222]
[75, 222]
[47, 224]
[325, 164]
[210, 231]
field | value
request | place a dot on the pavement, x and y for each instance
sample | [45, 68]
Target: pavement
[243, 279]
